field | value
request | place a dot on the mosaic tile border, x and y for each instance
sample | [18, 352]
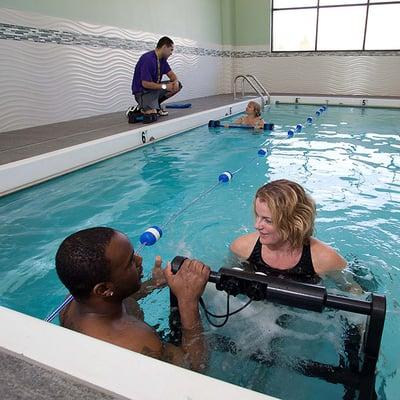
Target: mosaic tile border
[39, 35]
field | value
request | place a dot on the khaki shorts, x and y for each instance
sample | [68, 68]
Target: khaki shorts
[150, 99]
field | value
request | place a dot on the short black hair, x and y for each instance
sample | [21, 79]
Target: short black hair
[81, 262]
[165, 40]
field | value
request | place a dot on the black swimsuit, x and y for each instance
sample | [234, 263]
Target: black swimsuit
[303, 271]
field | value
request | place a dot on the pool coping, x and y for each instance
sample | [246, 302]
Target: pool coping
[104, 367]
[27, 172]
[24, 173]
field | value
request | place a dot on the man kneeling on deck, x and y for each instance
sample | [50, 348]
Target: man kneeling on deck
[147, 87]
[101, 270]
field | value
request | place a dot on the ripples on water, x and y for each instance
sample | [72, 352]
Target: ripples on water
[348, 160]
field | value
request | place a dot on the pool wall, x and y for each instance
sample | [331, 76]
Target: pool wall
[24, 173]
[106, 366]
[31, 171]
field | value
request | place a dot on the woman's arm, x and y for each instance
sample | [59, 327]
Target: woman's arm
[238, 121]
[157, 281]
[260, 124]
[325, 259]
[243, 245]
[328, 262]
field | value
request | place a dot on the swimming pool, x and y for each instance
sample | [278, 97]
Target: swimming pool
[348, 159]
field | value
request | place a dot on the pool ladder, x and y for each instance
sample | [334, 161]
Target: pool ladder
[256, 85]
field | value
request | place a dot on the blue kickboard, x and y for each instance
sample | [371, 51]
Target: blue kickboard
[178, 105]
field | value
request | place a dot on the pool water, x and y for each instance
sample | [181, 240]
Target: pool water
[348, 160]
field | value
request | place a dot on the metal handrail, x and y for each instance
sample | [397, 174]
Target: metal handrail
[260, 90]
[262, 87]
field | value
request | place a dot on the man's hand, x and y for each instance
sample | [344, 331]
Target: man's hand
[157, 274]
[189, 282]
[173, 86]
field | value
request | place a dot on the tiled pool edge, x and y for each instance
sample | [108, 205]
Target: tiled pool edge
[331, 100]
[109, 367]
[21, 174]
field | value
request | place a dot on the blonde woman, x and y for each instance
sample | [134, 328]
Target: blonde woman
[252, 117]
[283, 242]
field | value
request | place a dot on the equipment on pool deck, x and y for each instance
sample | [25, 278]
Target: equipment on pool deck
[178, 105]
[135, 115]
[359, 373]
[218, 124]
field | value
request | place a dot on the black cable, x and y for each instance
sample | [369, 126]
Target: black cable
[208, 318]
[226, 316]
[223, 316]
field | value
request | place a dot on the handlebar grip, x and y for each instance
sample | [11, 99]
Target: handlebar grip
[176, 263]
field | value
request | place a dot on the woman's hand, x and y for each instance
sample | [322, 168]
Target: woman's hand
[157, 274]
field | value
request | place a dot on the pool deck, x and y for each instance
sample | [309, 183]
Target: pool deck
[29, 142]
[24, 143]
[22, 378]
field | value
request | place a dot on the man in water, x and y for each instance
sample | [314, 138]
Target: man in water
[101, 270]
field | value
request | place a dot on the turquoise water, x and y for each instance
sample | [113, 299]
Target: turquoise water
[348, 160]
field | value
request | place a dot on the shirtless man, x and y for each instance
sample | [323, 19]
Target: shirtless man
[100, 269]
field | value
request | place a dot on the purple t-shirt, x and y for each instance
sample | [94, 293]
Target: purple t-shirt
[147, 70]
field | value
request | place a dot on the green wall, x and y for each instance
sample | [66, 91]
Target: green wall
[252, 22]
[245, 22]
[230, 22]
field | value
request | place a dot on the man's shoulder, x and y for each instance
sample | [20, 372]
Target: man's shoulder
[127, 332]
[149, 55]
[137, 336]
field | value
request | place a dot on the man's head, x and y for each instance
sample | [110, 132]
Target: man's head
[165, 47]
[98, 262]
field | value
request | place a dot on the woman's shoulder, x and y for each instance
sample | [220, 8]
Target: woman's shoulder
[325, 258]
[243, 245]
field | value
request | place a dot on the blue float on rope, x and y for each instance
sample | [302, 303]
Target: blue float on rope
[262, 152]
[151, 235]
[218, 124]
[225, 177]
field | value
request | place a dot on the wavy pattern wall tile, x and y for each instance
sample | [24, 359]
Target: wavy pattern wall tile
[45, 22]
[42, 84]
[350, 75]
[49, 74]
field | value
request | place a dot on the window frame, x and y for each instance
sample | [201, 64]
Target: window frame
[365, 3]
